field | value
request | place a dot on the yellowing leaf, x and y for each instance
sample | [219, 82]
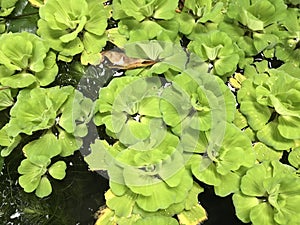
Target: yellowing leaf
[37, 3]
[106, 217]
[120, 60]
[195, 216]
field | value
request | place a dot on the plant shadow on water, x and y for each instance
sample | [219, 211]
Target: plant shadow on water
[75, 200]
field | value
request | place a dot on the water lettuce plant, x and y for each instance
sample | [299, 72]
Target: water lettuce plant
[195, 94]
[266, 196]
[276, 109]
[62, 115]
[146, 20]
[26, 59]
[74, 27]
[219, 50]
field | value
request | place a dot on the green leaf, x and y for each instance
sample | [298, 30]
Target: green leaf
[294, 157]
[230, 184]
[243, 205]
[252, 182]
[97, 159]
[7, 142]
[288, 126]
[270, 135]
[163, 196]
[264, 153]
[195, 215]
[33, 111]
[29, 182]
[69, 143]
[262, 214]
[20, 80]
[251, 21]
[66, 26]
[44, 188]
[58, 170]
[122, 205]
[47, 145]
[6, 99]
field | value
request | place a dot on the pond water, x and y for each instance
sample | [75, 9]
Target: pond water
[76, 199]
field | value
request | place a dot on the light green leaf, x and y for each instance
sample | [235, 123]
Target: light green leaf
[262, 214]
[243, 205]
[29, 181]
[69, 143]
[58, 170]
[230, 184]
[288, 126]
[264, 153]
[252, 182]
[20, 80]
[98, 156]
[270, 135]
[47, 145]
[122, 205]
[294, 157]
[44, 188]
[6, 99]
[195, 215]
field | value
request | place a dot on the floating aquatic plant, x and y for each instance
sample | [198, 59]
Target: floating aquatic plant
[74, 27]
[25, 59]
[219, 50]
[64, 114]
[276, 109]
[266, 196]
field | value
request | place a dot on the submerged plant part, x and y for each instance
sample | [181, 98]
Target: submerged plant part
[266, 196]
[25, 59]
[74, 27]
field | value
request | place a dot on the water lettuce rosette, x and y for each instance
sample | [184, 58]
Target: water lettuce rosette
[201, 100]
[252, 24]
[269, 195]
[26, 59]
[220, 165]
[146, 20]
[129, 109]
[188, 212]
[149, 182]
[62, 115]
[272, 109]
[219, 50]
[74, 27]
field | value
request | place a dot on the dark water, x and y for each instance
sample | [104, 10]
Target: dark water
[220, 210]
[74, 200]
